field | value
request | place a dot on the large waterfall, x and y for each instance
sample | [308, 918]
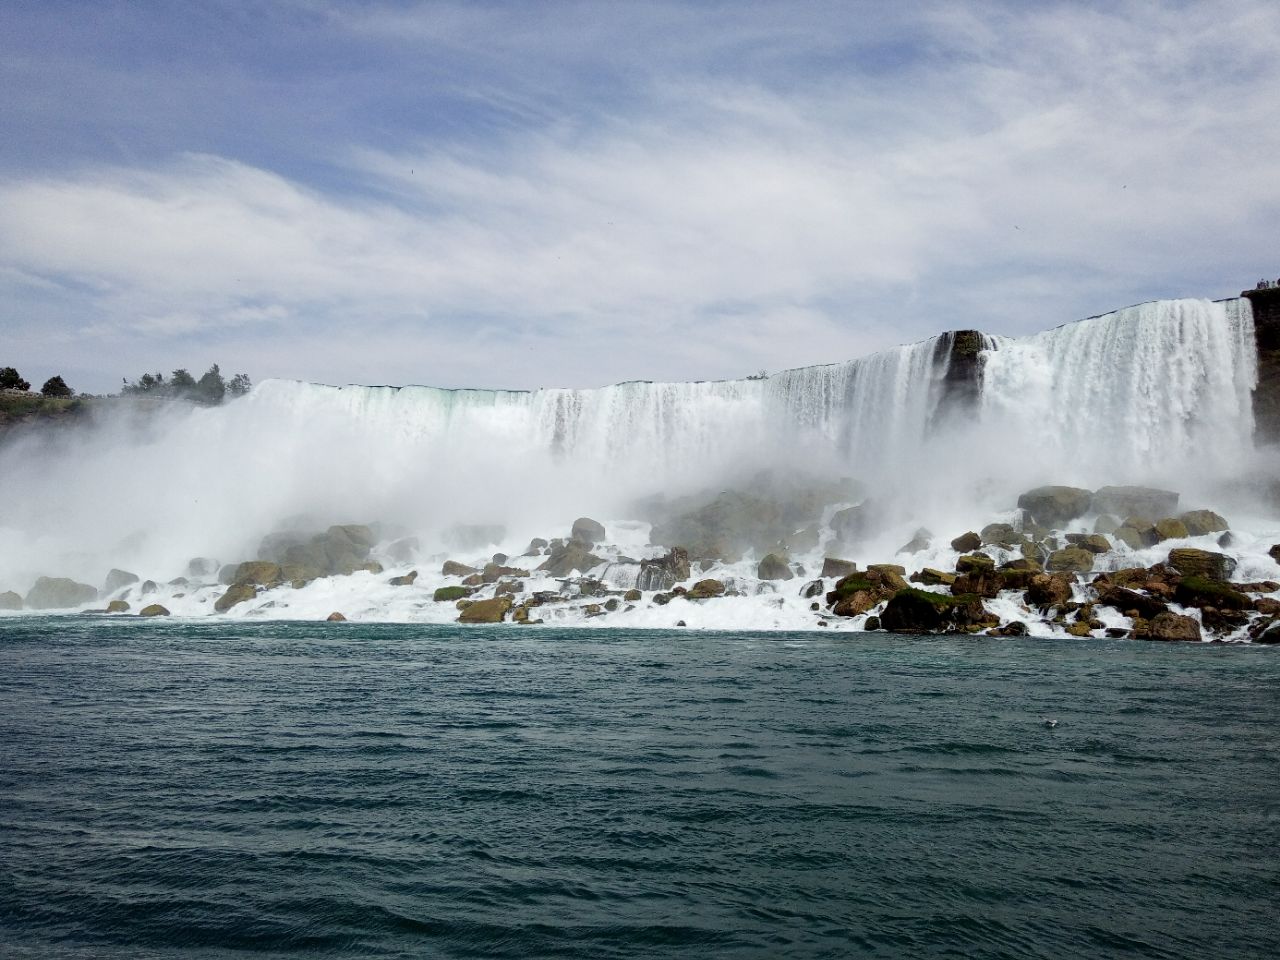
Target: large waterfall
[1157, 392]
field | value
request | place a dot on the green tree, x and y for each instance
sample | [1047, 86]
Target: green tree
[151, 384]
[239, 385]
[211, 387]
[56, 387]
[10, 380]
[181, 383]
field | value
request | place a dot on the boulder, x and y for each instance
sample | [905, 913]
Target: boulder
[1135, 501]
[498, 558]
[664, 572]
[403, 552]
[153, 610]
[1075, 559]
[568, 557]
[859, 592]
[226, 574]
[118, 606]
[587, 531]
[492, 610]
[774, 567]
[535, 548]
[1167, 626]
[297, 573]
[1202, 592]
[335, 617]
[833, 568]
[59, 593]
[1093, 542]
[1024, 564]
[999, 534]
[705, 590]
[1132, 603]
[118, 580]
[1170, 529]
[631, 596]
[983, 582]
[475, 580]
[1054, 506]
[872, 623]
[1046, 590]
[406, 580]
[921, 540]
[1202, 522]
[1014, 628]
[933, 578]
[258, 573]
[974, 561]
[202, 568]
[1106, 524]
[804, 541]
[148, 586]
[508, 587]
[966, 542]
[493, 572]
[453, 569]
[450, 594]
[1191, 562]
[236, 593]
[1134, 537]
[812, 589]
[856, 523]
[889, 575]
[10, 600]
[1274, 553]
[919, 611]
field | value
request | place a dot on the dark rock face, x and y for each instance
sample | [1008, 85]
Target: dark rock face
[587, 531]
[1135, 501]
[1266, 396]
[959, 353]
[812, 589]
[1054, 506]
[918, 611]
[1200, 592]
[1130, 602]
[58, 593]
[665, 572]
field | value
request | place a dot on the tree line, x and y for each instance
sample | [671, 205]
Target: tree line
[211, 387]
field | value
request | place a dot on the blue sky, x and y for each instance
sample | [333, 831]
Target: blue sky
[515, 194]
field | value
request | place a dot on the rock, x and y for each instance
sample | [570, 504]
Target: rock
[118, 580]
[475, 580]
[370, 566]
[535, 548]
[889, 575]
[922, 540]
[498, 558]
[407, 580]
[664, 572]
[918, 611]
[1202, 522]
[587, 531]
[1016, 578]
[1267, 605]
[1191, 562]
[873, 623]
[153, 610]
[966, 542]
[1054, 506]
[804, 541]
[1135, 501]
[856, 523]
[933, 578]
[1274, 553]
[402, 552]
[10, 600]
[226, 574]
[179, 582]
[612, 605]
[859, 592]
[983, 582]
[486, 611]
[1093, 542]
[297, 573]
[1170, 529]
[59, 593]
[508, 587]
[1048, 590]
[1167, 626]
[202, 568]
[998, 534]
[974, 561]
[567, 558]
[812, 589]
[705, 590]
[593, 610]
[1131, 603]
[454, 569]
[148, 586]
[1106, 524]
[774, 567]
[1202, 592]
[1014, 628]
[1075, 559]
[118, 606]
[335, 617]
[835, 569]
[259, 573]
[1023, 564]
[631, 596]
[1079, 629]
[1132, 537]
[236, 593]
[493, 572]
[450, 594]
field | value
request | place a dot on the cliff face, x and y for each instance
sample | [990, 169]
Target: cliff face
[961, 386]
[1266, 397]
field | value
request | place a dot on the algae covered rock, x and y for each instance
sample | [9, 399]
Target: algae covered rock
[236, 593]
[1053, 506]
[1191, 562]
[153, 610]
[706, 590]
[1075, 559]
[933, 578]
[774, 567]
[450, 594]
[1202, 592]
[1202, 522]
[59, 593]
[919, 611]
[493, 610]
[974, 561]
[1170, 529]
[1135, 501]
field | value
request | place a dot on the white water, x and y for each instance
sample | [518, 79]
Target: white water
[1155, 393]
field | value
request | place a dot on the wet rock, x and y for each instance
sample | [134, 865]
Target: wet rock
[259, 573]
[236, 593]
[1078, 628]
[153, 610]
[1202, 592]
[593, 610]
[335, 617]
[118, 606]
[1106, 524]
[475, 580]
[918, 611]
[450, 594]
[631, 596]
[179, 582]
[508, 587]
[774, 567]
[1191, 562]
[1132, 603]
[587, 531]
[1054, 506]
[812, 589]
[974, 561]
[1133, 537]
[299, 574]
[1014, 628]
[857, 523]
[999, 534]
[452, 568]
[404, 581]
[706, 589]
[612, 605]
[1274, 553]
[566, 558]
[933, 578]
[402, 552]
[982, 582]
[10, 600]
[835, 569]
[1167, 626]
[1046, 590]
[1199, 523]
[1269, 635]
[202, 568]
[499, 558]
[922, 540]
[1268, 606]
[1027, 564]
[1135, 501]
[59, 593]
[890, 575]
[664, 572]
[1016, 578]
[493, 572]
[493, 610]
[966, 542]
[118, 580]
[535, 548]
[1075, 559]
[148, 586]
[1093, 542]
[1170, 529]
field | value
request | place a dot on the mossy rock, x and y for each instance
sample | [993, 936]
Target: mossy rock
[1191, 562]
[774, 567]
[450, 594]
[933, 578]
[706, 590]
[237, 593]
[1093, 542]
[1053, 506]
[631, 596]
[1074, 559]
[493, 610]
[260, 573]
[920, 611]
[1202, 592]
[1171, 529]
[974, 561]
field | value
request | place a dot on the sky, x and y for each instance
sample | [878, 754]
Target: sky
[573, 194]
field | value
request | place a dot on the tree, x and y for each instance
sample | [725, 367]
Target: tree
[56, 387]
[239, 385]
[148, 383]
[10, 380]
[212, 387]
[182, 383]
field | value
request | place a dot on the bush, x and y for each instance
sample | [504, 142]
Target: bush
[10, 380]
[56, 387]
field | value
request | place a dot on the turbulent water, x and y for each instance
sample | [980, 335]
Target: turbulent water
[1158, 393]
[281, 789]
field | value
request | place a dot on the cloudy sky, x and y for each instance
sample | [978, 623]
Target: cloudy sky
[525, 194]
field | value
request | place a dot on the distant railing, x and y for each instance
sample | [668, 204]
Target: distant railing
[1268, 285]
